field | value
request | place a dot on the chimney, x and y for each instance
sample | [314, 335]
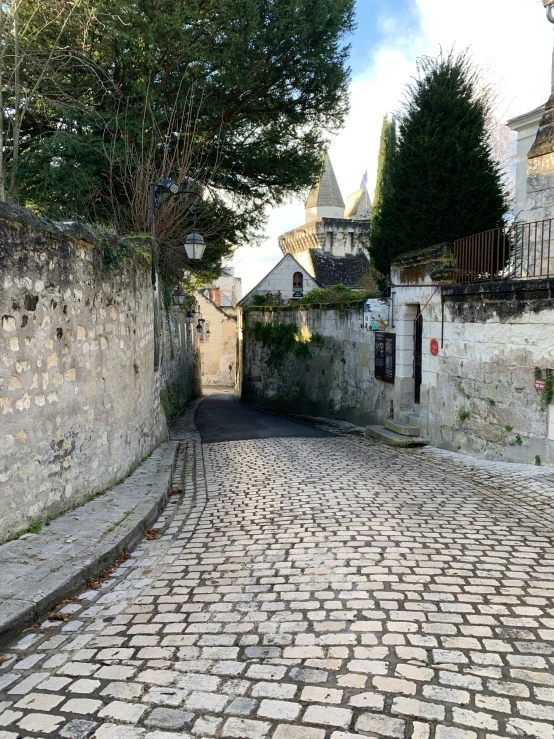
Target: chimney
[215, 295]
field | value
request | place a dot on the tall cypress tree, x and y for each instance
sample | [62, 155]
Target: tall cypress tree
[387, 152]
[444, 182]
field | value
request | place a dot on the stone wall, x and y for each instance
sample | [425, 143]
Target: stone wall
[478, 393]
[79, 394]
[332, 375]
[482, 397]
[218, 348]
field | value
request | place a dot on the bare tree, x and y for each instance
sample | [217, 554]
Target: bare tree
[167, 146]
[30, 70]
[504, 148]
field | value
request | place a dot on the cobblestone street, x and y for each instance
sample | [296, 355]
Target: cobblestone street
[307, 585]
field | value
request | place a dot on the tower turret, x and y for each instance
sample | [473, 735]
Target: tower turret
[325, 199]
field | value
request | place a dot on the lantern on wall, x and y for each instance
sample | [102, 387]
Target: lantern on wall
[194, 245]
[179, 296]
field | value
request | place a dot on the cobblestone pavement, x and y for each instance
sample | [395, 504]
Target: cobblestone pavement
[309, 588]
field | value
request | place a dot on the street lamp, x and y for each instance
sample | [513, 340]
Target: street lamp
[194, 245]
[160, 193]
[179, 296]
[549, 5]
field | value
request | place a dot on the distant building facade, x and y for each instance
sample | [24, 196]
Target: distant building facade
[526, 127]
[287, 281]
[226, 291]
[217, 334]
[328, 249]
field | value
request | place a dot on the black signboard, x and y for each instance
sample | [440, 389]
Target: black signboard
[385, 356]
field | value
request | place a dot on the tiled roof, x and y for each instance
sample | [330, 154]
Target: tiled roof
[330, 270]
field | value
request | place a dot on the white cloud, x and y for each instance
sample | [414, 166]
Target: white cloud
[511, 40]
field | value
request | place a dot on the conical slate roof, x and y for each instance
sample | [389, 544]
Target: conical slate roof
[358, 206]
[325, 199]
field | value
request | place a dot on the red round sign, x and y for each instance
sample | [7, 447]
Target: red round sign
[434, 347]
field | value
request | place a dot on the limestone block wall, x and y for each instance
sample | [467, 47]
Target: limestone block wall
[218, 349]
[478, 394]
[497, 335]
[79, 395]
[335, 380]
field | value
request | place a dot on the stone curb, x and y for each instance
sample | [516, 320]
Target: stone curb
[40, 570]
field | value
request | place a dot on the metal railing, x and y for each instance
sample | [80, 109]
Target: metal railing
[524, 250]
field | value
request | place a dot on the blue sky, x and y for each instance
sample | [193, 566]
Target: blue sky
[373, 18]
[510, 40]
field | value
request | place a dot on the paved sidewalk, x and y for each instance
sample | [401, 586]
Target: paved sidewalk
[39, 570]
[309, 588]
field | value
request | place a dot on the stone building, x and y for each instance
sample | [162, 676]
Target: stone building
[467, 360]
[526, 127]
[226, 291]
[471, 360]
[328, 249]
[287, 281]
[331, 244]
[217, 334]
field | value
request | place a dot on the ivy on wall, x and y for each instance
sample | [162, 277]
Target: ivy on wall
[283, 339]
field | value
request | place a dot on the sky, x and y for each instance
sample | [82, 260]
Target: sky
[510, 40]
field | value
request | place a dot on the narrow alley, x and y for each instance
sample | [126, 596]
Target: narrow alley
[307, 585]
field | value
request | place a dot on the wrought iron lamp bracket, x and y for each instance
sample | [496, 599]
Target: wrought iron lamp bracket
[162, 195]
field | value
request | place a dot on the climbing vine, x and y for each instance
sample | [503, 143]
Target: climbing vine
[282, 339]
[549, 387]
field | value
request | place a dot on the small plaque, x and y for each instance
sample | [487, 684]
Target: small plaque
[540, 384]
[298, 294]
[434, 347]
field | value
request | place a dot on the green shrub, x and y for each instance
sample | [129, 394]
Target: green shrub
[337, 295]
[262, 299]
[282, 339]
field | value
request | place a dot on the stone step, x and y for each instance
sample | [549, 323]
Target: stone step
[410, 417]
[390, 438]
[402, 428]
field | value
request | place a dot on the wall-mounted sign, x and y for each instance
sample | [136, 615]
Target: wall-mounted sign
[540, 384]
[298, 294]
[376, 315]
[434, 346]
[385, 357]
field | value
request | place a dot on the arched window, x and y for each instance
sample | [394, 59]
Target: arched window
[297, 281]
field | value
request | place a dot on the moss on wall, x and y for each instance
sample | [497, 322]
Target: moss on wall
[315, 362]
